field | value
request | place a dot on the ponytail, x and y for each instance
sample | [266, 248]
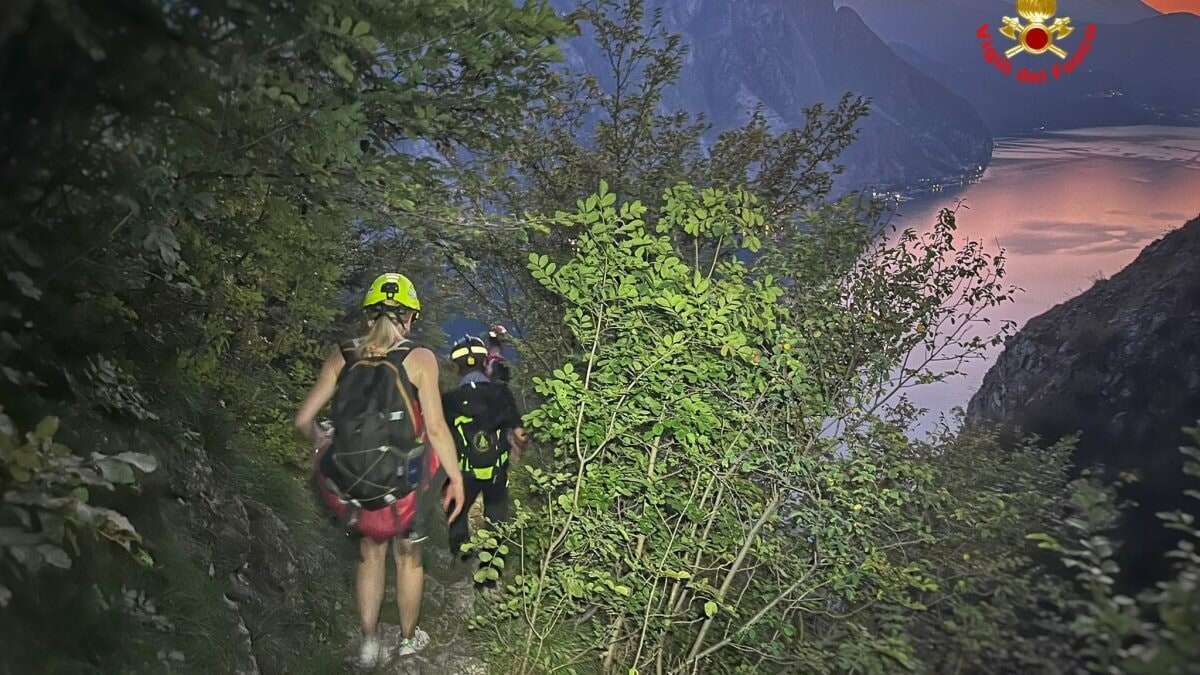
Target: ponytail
[386, 329]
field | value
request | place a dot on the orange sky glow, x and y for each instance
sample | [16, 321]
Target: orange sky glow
[1192, 6]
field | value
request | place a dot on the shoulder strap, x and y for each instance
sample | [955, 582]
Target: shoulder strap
[401, 351]
[349, 350]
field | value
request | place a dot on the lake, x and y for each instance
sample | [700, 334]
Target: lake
[1069, 207]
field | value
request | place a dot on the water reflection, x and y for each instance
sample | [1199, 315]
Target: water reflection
[1070, 208]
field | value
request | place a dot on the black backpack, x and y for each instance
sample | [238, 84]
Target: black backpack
[477, 429]
[377, 456]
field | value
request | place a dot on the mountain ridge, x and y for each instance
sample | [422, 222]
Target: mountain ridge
[1119, 363]
[788, 56]
[1128, 78]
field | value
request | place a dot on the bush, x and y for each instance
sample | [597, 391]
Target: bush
[45, 507]
[1158, 631]
[726, 492]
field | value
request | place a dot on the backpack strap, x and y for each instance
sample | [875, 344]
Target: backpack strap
[349, 350]
[396, 356]
[400, 352]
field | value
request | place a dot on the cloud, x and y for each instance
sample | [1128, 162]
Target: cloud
[1171, 216]
[1054, 237]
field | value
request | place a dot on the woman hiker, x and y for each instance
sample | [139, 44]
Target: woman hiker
[371, 467]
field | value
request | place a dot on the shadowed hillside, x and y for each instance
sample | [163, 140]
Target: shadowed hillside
[1134, 74]
[1120, 364]
[786, 56]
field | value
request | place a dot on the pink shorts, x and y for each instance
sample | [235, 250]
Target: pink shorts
[385, 523]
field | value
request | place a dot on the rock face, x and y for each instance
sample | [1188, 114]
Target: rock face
[1121, 364]
[1135, 73]
[267, 576]
[278, 581]
[787, 55]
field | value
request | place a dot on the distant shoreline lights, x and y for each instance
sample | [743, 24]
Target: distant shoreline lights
[1026, 75]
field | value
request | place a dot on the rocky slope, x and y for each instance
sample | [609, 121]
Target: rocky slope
[1121, 364]
[787, 55]
[250, 577]
[1137, 73]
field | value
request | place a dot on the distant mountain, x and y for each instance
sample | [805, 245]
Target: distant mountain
[1120, 363]
[787, 55]
[936, 26]
[1141, 70]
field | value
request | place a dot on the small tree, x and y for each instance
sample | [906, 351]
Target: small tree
[618, 125]
[697, 515]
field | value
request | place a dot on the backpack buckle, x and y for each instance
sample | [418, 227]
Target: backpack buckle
[352, 521]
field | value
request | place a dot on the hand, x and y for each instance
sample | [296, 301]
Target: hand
[323, 440]
[518, 438]
[453, 492]
[498, 331]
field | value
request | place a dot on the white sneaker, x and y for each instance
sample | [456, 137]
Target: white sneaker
[414, 644]
[368, 653]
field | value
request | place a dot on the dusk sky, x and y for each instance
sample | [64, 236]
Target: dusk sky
[1175, 5]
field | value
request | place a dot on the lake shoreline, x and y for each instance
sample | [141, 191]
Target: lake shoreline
[1069, 207]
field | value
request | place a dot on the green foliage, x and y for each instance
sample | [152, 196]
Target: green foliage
[46, 490]
[113, 389]
[1158, 631]
[617, 127]
[731, 488]
[998, 607]
[190, 188]
[697, 508]
[203, 190]
[491, 554]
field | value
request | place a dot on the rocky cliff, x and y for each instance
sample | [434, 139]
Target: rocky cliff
[1120, 363]
[787, 55]
[1135, 74]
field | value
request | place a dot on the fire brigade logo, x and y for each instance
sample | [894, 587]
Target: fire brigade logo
[1036, 37]
[1034, 33]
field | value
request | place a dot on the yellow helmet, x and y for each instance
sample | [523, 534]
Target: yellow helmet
[391, 291]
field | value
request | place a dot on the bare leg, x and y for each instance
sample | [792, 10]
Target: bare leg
[372, 575]
[410, 582]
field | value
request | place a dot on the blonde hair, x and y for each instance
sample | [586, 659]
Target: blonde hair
[384, 331]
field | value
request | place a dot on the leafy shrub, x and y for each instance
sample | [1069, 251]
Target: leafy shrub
[114, 389]
[723, 496]
[45, 505]
[1157, 631]
[999, 605]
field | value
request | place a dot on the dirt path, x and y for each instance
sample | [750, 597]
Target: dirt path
[448, 602]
